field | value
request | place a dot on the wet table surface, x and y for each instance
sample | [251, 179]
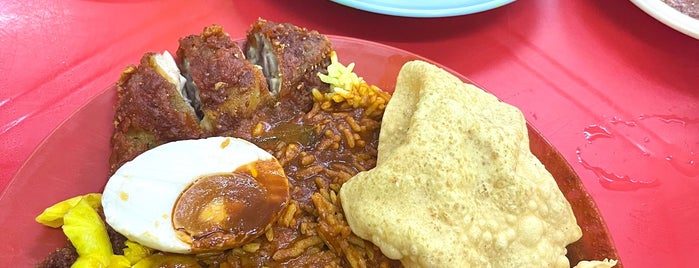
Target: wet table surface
[614, 90]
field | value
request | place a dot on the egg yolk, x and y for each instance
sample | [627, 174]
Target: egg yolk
[225, 210]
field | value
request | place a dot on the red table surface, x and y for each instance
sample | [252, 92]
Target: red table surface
[613, 89]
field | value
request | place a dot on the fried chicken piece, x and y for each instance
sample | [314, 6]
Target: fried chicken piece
[229, 87]
[152, 109]
[290, 57]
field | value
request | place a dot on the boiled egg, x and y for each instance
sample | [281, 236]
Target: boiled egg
[195, 196]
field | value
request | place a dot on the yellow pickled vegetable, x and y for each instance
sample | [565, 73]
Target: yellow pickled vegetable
[86, 231]
[91, 261]
[53, 216]
[88, 234]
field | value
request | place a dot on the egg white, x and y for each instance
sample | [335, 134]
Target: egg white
[139, 198]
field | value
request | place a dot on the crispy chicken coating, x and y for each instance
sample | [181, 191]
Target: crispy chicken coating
[229, 87]
[151, 109]
[290, 57]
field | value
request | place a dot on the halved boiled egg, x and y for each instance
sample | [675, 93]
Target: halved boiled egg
[195, 196]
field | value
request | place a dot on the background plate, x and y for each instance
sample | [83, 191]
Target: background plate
[73, 160]
[424, 9]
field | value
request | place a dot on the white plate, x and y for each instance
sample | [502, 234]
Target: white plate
[426, 8]
[670, 16]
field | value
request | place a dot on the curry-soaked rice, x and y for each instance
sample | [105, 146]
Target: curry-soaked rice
[319, 150]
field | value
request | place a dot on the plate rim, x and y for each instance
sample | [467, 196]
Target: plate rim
[376, 6]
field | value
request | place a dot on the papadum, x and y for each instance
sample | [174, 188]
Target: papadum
[455, 183]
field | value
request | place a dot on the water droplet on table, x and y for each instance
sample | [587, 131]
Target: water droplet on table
[666, 153]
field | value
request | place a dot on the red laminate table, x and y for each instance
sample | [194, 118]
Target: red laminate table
[616, 91]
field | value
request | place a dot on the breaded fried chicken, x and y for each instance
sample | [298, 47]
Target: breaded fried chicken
[230, 88]
[290, 57]
[151, 110]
